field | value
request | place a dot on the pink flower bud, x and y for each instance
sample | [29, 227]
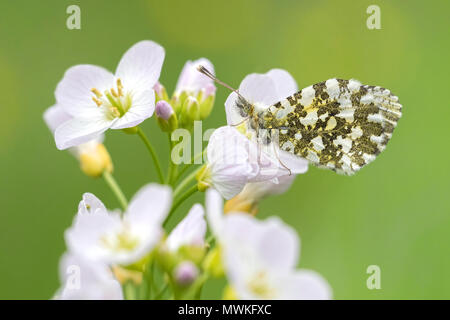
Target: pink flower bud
[210, 89]
[163, 109]
[186, 273]
[158, 87]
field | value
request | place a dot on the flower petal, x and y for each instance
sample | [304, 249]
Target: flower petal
[191, 79]
[84, 279]
[90, 204]
[190, 231]
[228, 161]
[73, 92]
[141, 65]
[150, 205]
[234, 115]
[304, 285]
[296, 164]
[214, 211]
[142, 108]
[259, 89]
[80, 130]
[278, 245]
[55, 116]
[256, 191]
[284, 83]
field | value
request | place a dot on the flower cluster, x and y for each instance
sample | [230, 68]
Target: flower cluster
[130, 252]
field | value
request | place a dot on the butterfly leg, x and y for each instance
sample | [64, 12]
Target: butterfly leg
[278, 158]
[241, 122]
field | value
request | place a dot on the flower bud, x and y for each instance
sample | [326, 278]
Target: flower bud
[192, 253]
[94, 160]
[166, 117]
[190, 112]
[166, 259]
[213, 263]
[208, 95]
[163, 110]
[192, 108]
[160, 92]
[185, 273]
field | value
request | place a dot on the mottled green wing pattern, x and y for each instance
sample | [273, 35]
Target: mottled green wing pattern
[337, 124]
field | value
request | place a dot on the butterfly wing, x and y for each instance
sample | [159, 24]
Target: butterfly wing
[337, 124]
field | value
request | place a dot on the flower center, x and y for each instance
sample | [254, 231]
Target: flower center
[259, 284]
[121, 241]
[115, 101]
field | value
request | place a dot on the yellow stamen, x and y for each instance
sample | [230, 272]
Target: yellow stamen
[97, 102]
[115, 111]
[114, 93]
[119, 87]
[96, 92]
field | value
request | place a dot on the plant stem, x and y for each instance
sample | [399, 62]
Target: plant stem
[185, 182]
[177, 203]
[161, 292]
[147, 143]
[112, 183]
[188, 165]
[172, 167]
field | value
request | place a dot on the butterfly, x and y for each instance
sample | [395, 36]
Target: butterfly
[341, 125]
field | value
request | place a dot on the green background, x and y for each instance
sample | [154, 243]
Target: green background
[394, 213]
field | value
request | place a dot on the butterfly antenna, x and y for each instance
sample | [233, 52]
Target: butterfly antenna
[208, 73]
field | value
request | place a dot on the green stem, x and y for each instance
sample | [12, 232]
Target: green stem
[112, 183]
[129, 291]
[188, 165]
[150, 281]
[147, 143]
[177, 203]
[185, 182]
[172, 167]
[161, 292]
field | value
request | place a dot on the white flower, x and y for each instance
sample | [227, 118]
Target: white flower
[84, 279]
[193, 82]
[106, 236]
[99, 100]
[260, 260]
[190, 231]
[264, 90]
[260, 256]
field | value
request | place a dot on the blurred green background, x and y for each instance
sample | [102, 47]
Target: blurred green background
[395, 213]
